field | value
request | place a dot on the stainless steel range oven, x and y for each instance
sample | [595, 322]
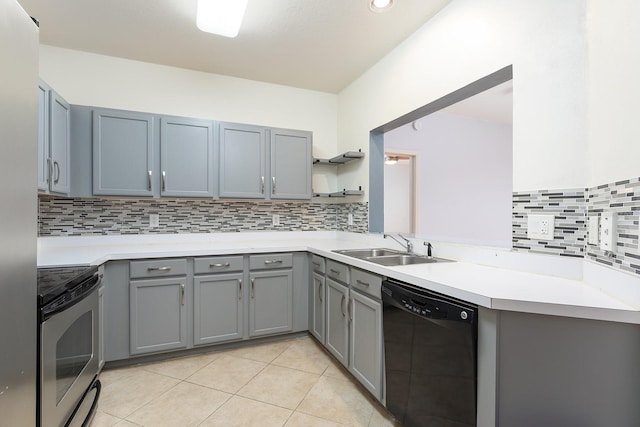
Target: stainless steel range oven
[68, 388]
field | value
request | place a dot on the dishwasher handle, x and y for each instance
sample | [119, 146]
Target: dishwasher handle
[426, 304]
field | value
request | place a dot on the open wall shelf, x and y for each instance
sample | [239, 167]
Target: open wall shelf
[340, 159]
[343, 193]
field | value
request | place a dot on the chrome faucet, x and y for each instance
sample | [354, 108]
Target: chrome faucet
[407, 244]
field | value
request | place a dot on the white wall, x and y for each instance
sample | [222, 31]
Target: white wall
[398, 187]
[544, 40]
[465, 174]
[614, 91]
[89, 79]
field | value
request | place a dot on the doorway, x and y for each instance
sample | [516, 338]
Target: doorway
[399, 192]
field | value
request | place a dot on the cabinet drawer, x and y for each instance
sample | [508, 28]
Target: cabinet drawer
[157, 268]
[270, 261]
[218, 264]
[317, 263]
[338, 271]
[366, 282]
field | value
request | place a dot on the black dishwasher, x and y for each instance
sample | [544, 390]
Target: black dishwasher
[430, 344]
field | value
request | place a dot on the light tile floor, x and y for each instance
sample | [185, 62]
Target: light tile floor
[288, 383]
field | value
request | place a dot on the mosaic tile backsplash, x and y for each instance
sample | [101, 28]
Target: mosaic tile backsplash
[93, 216]
[571, 209]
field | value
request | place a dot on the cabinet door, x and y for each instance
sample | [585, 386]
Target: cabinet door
[242, 161]
[217, 311]
[186, 157]
[122, 153]
[365, 350]
[270, 302]
[158, 318]
[317, 306]
[337, 333]
[100, 327]
[43, 137]
[60, 140]
[291, 162]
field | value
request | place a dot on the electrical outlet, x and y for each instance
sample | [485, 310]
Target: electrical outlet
[350, 219]
[154, 220]
[276, 219]
[608, 231]
[540, 227]
[594, 230]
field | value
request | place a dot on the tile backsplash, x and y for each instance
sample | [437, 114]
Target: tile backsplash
[571, 209]
[104, 216]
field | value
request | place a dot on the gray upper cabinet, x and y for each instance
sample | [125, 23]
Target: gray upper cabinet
[242, 161]
[54, 138]
[123, 153]
[252, 168]
[44, 160]
[186, 157]
[291, 161]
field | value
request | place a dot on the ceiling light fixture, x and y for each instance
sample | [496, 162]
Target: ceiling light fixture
[380, 6]
[222, 17]
[390, 160]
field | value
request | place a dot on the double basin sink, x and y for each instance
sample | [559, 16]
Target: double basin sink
[389, 257]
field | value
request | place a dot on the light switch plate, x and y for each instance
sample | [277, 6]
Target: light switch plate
[350, 219]
[594, 230]
[540, 227]
[608, 231]
[276, 219]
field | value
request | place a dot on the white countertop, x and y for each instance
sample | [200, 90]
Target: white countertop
[492, 278]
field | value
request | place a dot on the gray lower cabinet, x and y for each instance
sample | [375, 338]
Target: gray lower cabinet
[54, 141]
[186, 157]
[365, 345]
[337, 332]
[271, 302]
[123, 153]
[158, 316]
[317, 306]
[101, 358]
[218, 308]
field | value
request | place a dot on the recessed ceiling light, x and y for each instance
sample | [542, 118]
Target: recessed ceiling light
[379, 6]
[222, 17]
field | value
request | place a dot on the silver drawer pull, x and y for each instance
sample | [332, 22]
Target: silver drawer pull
[239, 288]
[272, 261]
[158, 268]
[253, 288]
[182, 294]
[317, 264]
[334, 271]
[342, 306]
[360, 282]
[320, 291]
[219, 265]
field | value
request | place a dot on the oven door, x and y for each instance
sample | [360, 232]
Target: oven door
[68, 359]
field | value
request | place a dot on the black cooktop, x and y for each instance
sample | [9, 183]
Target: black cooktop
[53, 282]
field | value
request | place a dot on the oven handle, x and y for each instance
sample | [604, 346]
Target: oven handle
[94, 405]
[89, 286]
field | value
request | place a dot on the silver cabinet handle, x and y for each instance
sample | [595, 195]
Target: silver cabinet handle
[56, 166]
[49, 171]
[262, 185]
[320, 291]
[342, 306]
[317, 264]
[164, 177]
[350, 311]
[272, 261]
[182, 294]
[219, 265]
[149, 180]
[273, 184]
[253, 285]
[335, 271]
[360, 282]
[158, 268]
[239, 289]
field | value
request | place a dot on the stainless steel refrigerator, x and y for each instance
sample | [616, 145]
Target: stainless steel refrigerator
[18, 214]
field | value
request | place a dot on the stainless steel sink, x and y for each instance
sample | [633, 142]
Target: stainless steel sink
[389, 257]
[368, 253]
[395, 260]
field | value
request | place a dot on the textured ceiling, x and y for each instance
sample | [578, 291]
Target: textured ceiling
[315, 44]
